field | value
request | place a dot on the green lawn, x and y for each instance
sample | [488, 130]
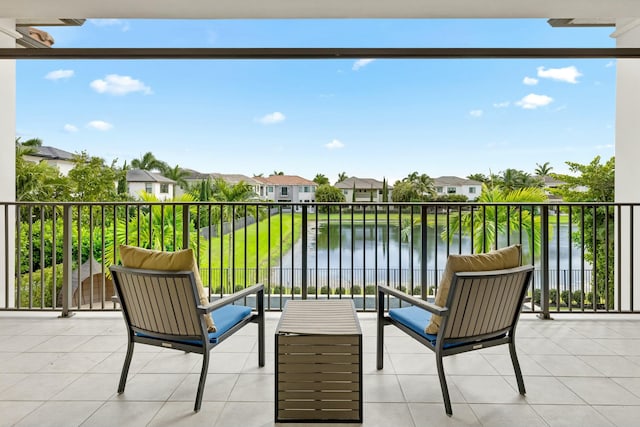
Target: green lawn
[263, 241]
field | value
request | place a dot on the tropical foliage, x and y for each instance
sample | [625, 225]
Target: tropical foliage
[489, 223]
[594, 182]
[149, 162]
[157, 227]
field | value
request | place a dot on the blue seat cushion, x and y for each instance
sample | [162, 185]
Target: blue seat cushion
[225, 318]
[417, 319]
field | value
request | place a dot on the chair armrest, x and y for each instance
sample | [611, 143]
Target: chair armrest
[203, 309]
[425, 305]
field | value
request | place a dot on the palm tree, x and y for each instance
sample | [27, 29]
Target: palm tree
[480, 177]
[422, 184]
[488, 222]
[342, 176]
[228, 193]
[543, 169]
[278, 173]
[148, 162]
[178, 175]
[426, 186]
[320, 179]
[32, 142]
[165, 230]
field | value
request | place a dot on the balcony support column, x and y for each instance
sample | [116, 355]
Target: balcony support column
[8, 37]
[627, 175]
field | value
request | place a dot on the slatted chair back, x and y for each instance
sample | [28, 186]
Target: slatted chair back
[485, 303]
[159, 304]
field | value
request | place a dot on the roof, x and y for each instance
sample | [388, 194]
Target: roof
[454, 180]
[365, 183]
[285, 180]
[139, 175]
[52, 153]
[231, 178]
[550, 181]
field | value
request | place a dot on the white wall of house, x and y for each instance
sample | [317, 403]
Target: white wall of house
[306, 193]
[8, 37]
[470, 191]
[363, 195]
[64, 166]
[627, 153]
[152, 188]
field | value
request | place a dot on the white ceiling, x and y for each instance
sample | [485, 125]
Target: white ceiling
[208, 9]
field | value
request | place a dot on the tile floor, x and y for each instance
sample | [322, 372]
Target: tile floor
[579, 371]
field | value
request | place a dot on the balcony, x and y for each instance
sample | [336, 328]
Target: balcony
[583, 368]
[578, 369]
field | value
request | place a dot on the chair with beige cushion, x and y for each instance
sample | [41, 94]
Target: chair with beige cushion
[482, 296]
[163, 306]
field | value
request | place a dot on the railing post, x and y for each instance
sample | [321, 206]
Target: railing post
[423, 254]
[186, 226]
[544, 262]
[67, 259]
[304, 251]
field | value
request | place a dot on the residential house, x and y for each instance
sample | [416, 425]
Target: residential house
[448, 185]
[196, 177]
[366, 190]
[63, 160]
[139, 180]
[288, 189]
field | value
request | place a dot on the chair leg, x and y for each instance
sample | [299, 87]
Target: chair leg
[516, 367]
[443, 385]
[260, 307]
[125, 367]
[261, 340]
[203, 379]
[380, 334]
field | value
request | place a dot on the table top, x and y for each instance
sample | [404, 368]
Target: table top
[313, 317]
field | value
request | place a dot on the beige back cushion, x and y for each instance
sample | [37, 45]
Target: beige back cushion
[500, 259]
[134, 257]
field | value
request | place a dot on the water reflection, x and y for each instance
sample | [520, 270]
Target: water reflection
[367, 245]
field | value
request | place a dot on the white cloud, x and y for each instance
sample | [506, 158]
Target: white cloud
[503, 104]
[361, 63]
[605, 146]
[335, 144]
[114, 84]
[533, 101]
[272, 118]
[59, 74]
[566, 74]
[610, 64]
[530, 81]
[476, 113]
[70, 128]
[99, 125]
[124, 25]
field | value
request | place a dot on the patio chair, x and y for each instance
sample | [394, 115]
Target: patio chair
[163, 309]
[481, 310]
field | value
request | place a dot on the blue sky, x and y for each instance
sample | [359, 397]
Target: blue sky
[368, 118]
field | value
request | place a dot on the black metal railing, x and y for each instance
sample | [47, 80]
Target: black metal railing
[56, 255]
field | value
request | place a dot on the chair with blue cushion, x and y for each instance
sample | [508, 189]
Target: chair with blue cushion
[163, 309]
[481, 311]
